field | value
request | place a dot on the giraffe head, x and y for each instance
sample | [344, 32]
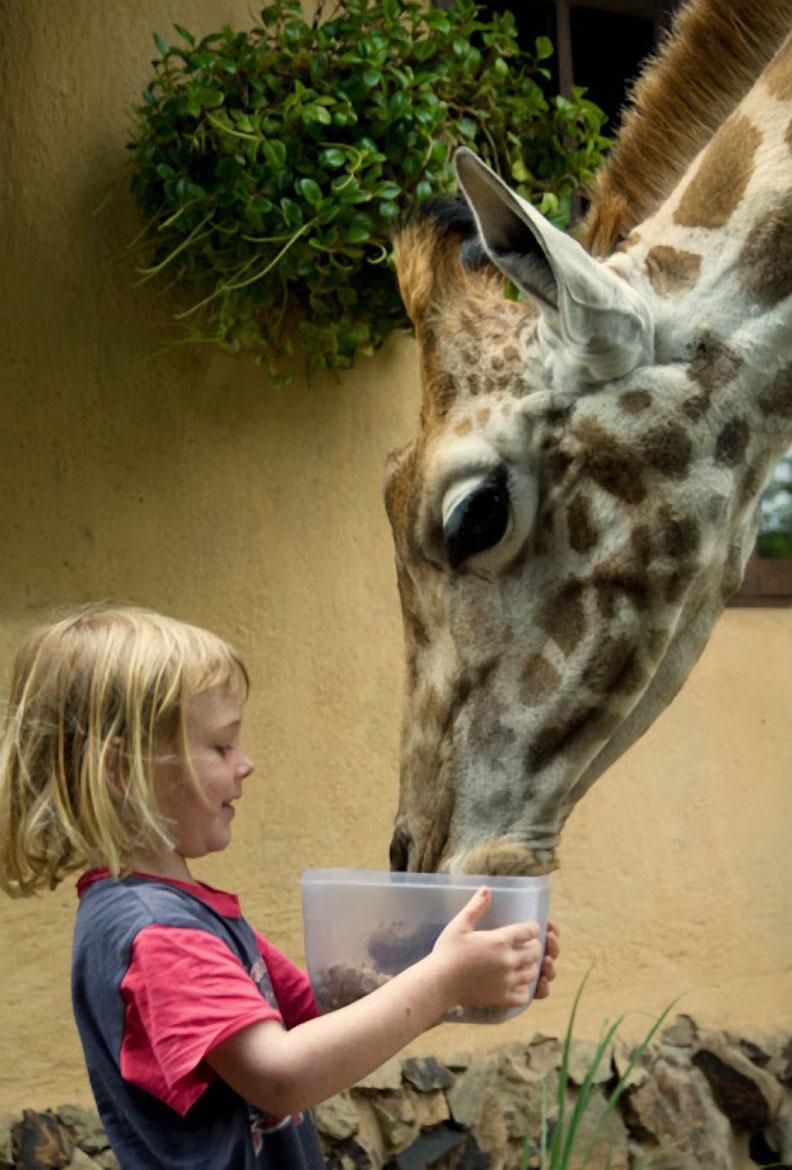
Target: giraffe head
[568, 522]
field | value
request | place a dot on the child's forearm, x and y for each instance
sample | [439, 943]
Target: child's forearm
[285, 1072]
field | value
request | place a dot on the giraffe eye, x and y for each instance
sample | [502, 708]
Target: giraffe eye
[476, 516]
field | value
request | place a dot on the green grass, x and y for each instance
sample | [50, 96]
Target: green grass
[560, 1139]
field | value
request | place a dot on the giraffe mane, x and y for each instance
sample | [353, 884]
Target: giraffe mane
[705, 66]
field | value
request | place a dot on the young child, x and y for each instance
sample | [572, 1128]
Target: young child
[122, 757]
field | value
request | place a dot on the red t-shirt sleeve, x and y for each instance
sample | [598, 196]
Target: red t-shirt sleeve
[184, 992]
[292, 986]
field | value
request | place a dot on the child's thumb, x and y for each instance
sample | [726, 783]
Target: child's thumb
[475, 909]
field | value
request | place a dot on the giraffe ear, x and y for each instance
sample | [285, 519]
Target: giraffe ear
[604, 324]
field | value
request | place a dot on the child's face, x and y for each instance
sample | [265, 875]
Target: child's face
[213, 725]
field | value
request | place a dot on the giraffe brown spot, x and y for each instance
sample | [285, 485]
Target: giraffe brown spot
[482, 416]
[585, 728]
[714, 363]
[511, 353]
[765, 263]
[695, 408]
[464, 427]
[731, 442]
[777, 398]
[563, 616]
[557, 465]
[625, 574]
[633, 239]
[473, 384]
[555, 738]
[671, 270]
[668, 449]
[620, 577]
[718, 186]
[674, 584]
[611, 464]
[679, 536]
[538, 680]
[497, 363]
[468, 322]
[634, 401]
[778, 75]
[607, 664]
[441, 391]
[583, 533]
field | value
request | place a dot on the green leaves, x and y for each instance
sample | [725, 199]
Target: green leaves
[272, 165]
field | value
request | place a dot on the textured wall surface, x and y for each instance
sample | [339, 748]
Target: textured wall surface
[185, 483]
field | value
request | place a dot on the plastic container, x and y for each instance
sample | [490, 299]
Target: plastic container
[362, 926]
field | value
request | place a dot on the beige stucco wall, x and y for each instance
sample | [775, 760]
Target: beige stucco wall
[187, 484]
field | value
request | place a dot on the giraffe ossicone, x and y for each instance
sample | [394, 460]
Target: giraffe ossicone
[580, 500]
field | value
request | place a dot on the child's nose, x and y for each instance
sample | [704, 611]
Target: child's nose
[245, 766]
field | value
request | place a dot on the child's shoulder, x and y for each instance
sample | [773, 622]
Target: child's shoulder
[134, 902]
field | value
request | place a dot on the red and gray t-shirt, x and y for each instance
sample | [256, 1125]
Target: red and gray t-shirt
[162, 971]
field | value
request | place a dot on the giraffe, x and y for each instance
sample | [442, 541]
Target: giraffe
[580, 500]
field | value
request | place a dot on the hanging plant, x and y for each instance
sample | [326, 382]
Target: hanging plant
[272, 165]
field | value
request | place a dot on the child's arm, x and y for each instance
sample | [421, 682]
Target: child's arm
[284, 1072]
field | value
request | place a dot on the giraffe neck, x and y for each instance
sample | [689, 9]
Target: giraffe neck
[717, 256]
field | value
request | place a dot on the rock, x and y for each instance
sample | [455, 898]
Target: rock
[7, 1122]
[662, 1159]
[426, 1074]
[369, 1136]
[466, 1156]
[780, 1064]
[601, 1137]
[81, 1161]
[337, 1117]
[430, 1108]
[40, 1142]
[396, 1116]
[387, 1077]
[458, 1061]
[491, 1132]
[466, 1096]
[681, 1034]
[779, 1134]
[107, 1160]
[85, 1127]
[514, 1064]
[633, 1074]
[747, 1095]
[581, 1058]
[348, 1155]
[545, 1055]
[674, 1106]
[429, 1147]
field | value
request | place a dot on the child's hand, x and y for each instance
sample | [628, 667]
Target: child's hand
[488, 968]
[547, 971]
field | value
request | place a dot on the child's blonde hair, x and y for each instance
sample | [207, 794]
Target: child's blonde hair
[94, 698]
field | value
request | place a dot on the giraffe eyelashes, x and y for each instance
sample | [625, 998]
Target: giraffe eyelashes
[486, 518]
[476, 516]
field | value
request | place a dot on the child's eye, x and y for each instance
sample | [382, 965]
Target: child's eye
[223, 748]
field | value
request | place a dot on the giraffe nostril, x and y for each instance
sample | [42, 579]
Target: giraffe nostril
[400, 849]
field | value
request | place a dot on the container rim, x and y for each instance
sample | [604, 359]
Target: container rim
[387, 877]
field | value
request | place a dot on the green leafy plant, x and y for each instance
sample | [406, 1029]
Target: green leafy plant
[272, 165]
[559, 1145]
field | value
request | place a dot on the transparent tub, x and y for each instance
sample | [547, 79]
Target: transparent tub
[363, 926]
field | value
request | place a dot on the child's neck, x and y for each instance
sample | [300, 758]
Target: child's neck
[165, 865]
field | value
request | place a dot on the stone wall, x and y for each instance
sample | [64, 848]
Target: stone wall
[694, 1100]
